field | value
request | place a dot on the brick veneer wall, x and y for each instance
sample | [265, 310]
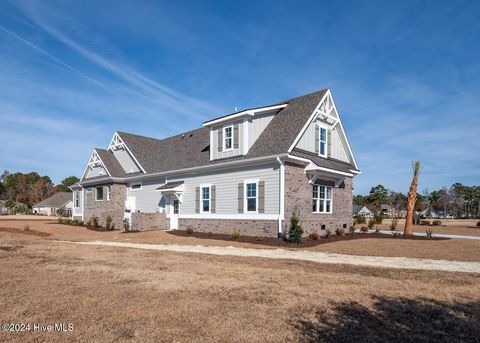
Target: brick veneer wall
[150, 221]
[261, 228]
[114, 207]
[298, 192]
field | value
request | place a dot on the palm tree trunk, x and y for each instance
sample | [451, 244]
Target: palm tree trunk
[411, 200]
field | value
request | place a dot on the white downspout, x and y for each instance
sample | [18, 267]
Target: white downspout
[282, 196]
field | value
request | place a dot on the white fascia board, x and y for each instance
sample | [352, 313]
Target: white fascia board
[299, 159]
[327, 170]
[217, 166]
[309, 121]
[343, 132]
[88, 163]
[103, 164]
[131, 154]
[250, 112]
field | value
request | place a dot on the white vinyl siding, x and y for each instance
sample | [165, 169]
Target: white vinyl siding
[226, 189]
[337, 146]
[97, 171]
[234, 151]
[256, 125]
[126, 161]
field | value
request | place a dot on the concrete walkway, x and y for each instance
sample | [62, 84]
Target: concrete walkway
[422, 234]
[303, 255]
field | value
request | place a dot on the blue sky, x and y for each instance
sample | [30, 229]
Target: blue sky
[405, 77]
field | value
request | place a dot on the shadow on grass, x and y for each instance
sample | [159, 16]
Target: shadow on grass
[394, 320]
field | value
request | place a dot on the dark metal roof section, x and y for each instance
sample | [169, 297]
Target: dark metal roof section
[170, 185]
[324, 162]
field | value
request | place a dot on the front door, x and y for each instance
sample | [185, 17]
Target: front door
[174, 214]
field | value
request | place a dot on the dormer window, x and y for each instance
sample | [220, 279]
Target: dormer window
[323, 142]
[227, 137]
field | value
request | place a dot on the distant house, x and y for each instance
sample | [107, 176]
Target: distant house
[50, 205]
[360, 210]
[3, 208]
[434, 214]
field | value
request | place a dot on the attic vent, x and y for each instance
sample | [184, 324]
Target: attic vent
[190, 135]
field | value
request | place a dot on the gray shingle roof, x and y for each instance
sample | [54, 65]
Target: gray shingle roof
[57, 200]
[323, 162]
[111, 163]
[170, 185]
[191, 149]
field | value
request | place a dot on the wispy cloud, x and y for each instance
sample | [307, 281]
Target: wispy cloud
[146, 87]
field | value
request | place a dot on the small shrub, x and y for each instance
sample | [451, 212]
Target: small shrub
[258, 238]
[235, 234]
[352, 229]
[67, 221]
[396, 235]
[60, 220]
[371, 223]
[359, 219]
[126, 224]
[314, 236]
[416, 219]
[364, 229]
[429, 233]
[296, 231]
[210, 233]
[189, 230]
[377, 230]
[424, 222]
[327, 234]
[437, 222]
[74, 222]
[378, 218]
[95, 222]
[340, 232]
[393, 224]
[108, 222]
[26, 227]
[80, 223]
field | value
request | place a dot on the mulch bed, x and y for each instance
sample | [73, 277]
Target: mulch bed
[306, 242]
[25, 232]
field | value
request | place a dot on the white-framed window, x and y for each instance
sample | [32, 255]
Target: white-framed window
[136, 186]
[322, 199]
[77, 198]
[322, 149]
[99, 193]
[205, 198]
[109, 193]
[251, 196]
[228, 137]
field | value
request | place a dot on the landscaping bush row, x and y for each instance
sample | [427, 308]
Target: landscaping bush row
[68, 221]
[433, 223]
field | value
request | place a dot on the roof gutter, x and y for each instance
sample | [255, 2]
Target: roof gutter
[255, 160]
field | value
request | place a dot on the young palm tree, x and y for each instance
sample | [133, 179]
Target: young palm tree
[412, 199]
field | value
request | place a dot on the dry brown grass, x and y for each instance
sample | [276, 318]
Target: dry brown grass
[452, 249]
[449, 226]
[116, 294]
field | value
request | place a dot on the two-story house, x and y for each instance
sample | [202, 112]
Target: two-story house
[244, 171]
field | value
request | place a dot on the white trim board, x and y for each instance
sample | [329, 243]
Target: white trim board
[236, 216]
[314, 115]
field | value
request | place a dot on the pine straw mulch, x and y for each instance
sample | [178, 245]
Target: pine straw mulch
[306, 242]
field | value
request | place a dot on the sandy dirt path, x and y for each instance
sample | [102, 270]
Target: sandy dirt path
[317, 257]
